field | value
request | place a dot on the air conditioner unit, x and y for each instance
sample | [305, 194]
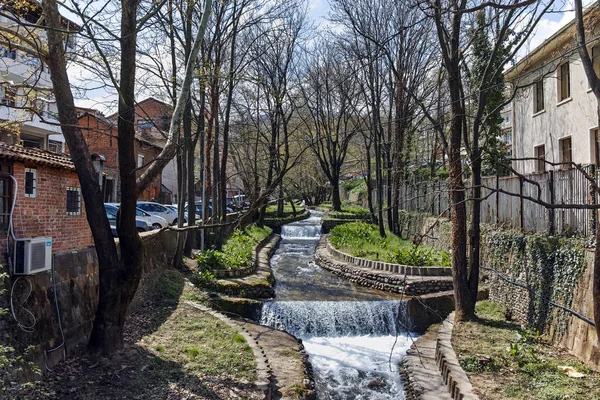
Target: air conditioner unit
[32, 255]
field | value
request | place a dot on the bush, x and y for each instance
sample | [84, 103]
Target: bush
[236, 252]
[362, 239]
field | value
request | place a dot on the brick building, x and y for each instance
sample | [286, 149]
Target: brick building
[152, 122]
[48, 198]
[102, 138]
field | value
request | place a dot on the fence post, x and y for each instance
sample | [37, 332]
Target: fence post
[497, 200]
[521, 204]
[551, 211]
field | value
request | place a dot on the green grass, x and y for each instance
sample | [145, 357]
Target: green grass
[351, 211]
[362, 239]
[198, 342]
[505, 361]
[236, 252]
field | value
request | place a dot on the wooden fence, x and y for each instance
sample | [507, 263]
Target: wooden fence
[508, 201]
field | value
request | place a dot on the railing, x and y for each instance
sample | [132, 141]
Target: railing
[513, 200]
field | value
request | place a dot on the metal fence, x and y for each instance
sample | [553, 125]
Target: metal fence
[510, 201]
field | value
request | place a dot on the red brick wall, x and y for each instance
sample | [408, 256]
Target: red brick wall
[46, 214]
[102, 139]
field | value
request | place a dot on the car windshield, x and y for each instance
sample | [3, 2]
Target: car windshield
[111, 213]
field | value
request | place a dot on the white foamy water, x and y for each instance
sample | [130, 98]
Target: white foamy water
[357, 367]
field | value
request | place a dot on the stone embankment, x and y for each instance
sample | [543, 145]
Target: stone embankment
[381, 276]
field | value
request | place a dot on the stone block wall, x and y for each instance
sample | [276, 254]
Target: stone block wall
[76, 274]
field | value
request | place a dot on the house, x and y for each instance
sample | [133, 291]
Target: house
[101, 137]
[554, 115]
[28, 112]
[47, 198]
[152, 122]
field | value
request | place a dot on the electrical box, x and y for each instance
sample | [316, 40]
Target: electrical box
[32, 255]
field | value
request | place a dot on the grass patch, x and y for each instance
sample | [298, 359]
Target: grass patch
[505, 361]
[236, 252]
[362, 239]
[173, 286]
[350, 211]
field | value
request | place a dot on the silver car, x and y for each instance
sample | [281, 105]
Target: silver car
[158, 209]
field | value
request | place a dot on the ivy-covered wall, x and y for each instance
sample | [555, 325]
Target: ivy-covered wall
[551, 266]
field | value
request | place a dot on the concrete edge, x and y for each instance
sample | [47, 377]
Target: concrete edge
[386, 281]
[264, 373]
[455, 378]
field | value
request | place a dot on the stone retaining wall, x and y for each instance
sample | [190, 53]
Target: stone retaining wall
[77, 293]
[390, 267]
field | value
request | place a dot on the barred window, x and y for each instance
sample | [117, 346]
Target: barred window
[30, 182]
[73, 201]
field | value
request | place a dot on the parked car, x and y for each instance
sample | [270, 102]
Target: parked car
[198, 211]
[152, 220]
[158, 209]
[111, 214]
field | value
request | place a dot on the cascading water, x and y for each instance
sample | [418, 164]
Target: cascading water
[348, 331]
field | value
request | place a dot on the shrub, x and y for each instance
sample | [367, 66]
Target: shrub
[237, 250]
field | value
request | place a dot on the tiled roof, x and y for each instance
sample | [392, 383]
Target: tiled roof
[36, 156]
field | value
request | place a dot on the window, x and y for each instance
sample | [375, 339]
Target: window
[140, 161]
[30, 142]
[55, 146]
[73, 201]
[8, 53]
[566, 155]
[538, 96]
[30, 182]
[540, 154]
[596, 59]
[564, 82]
[10, 96]
[507, 136]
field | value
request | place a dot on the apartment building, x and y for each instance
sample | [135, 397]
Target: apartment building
[554, 112]
[28, 112]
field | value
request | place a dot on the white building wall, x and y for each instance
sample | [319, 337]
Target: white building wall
[574, 117]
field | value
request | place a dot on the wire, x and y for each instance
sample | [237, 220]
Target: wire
[10, 224]
[62, 334]
[25, 328]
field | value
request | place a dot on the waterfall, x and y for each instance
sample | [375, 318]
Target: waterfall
[354, 336]
[336, 318]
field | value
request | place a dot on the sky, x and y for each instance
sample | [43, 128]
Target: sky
[318, 10]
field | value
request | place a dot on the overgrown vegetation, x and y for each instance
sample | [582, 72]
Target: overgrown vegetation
[237, 251]
[506, 361]
[13, 363]
[552, 265]
[362, 239]
[349, 210]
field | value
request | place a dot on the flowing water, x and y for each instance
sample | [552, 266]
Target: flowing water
[354, 336]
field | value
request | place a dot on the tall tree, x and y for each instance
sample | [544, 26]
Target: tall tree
[119, 275]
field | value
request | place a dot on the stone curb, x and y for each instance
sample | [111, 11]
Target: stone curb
[389, 267]
[263, 270]
[386, 281]
[264, 373]
[454, 376]
[418, 371]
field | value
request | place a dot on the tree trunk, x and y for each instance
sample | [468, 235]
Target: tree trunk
[336, 201]
[280, 202]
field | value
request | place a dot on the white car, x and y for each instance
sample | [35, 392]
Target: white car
[154, 221]
[158, 209]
